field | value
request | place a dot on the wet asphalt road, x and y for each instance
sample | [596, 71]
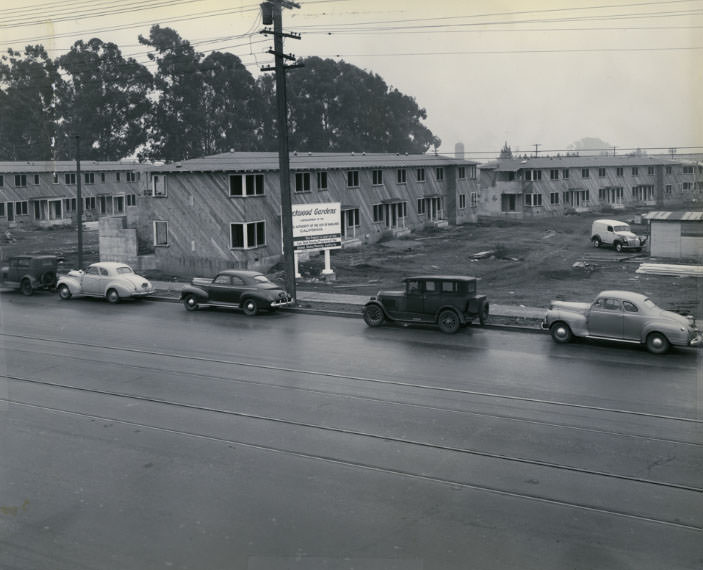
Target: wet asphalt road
[143, 436]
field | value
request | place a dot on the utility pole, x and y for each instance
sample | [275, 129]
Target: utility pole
[79, 202]
[537, 145]
[271, 13]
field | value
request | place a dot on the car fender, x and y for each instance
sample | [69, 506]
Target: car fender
[577, 321]
[380, 305]
[462, 315]
[120, 287]
[201, 294]
[73, 284]
[672, 333]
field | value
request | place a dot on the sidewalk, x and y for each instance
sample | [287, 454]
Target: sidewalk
[529, 317]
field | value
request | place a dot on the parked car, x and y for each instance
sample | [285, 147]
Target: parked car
[109, 279]
[29, 272]
[616, 234]
[249, 291]
[449, 301]
[622, 316]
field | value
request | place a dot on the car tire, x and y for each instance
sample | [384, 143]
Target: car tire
[249, 307]
[373, 316]
[190, 302]
[112, 296]
[561, 333]
[64, 292]
[48, 279]
[483, 315]
[657, 343]
[596, 242]
[449, 321]
[26, 287]
[618, 246]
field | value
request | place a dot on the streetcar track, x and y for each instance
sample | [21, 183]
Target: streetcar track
[334, 375]
[357, 433]
[384, 470]
[343, 395]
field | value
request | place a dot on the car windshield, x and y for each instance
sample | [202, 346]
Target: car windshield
[124, 269]
[262, 279]
[622, 228]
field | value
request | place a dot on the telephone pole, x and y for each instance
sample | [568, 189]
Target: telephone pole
[271, 13]
[79, 202]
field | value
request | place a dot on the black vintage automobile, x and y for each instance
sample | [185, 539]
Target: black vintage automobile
[249, 291]
[30, 272]
[449, 301]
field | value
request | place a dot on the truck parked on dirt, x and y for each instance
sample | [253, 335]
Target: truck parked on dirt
[616, 234]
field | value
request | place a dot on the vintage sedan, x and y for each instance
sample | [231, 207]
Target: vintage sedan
[111, 280]
[622, 316]
[249, 291]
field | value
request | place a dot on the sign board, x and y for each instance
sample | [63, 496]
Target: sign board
[317, 226]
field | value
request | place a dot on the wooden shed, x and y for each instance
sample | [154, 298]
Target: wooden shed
[676, 234]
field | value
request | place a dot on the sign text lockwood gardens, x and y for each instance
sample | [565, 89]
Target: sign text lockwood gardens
[317, 226]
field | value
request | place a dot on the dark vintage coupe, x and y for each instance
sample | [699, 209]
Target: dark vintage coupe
[449, 301]
[29, 272]
[249, 291]
[621, 316]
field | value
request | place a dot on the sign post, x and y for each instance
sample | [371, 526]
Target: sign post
[317, 227]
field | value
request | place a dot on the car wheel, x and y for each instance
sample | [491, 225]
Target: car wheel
[112, 296]
[64, 292]
[449, 321]
[483, 315]
[596, 242]
[373, 316]
[618, 247]
[48, 279]
[190, 302]
[657, 343]
[561, 332]
[250, 307]
[26, 287]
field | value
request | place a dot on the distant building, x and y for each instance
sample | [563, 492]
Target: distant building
[40, 194]
[221, 211]
[556, 185]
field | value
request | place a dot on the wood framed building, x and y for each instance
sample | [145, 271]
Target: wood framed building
[556, 185]
[40, 194]
[222, 211]
[676, 234]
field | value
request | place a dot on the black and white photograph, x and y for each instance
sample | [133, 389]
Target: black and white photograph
[351, 285]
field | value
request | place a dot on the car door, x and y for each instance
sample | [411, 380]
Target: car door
[633, 321]
[92, 282]
[234, 291]
[219, 290]
[605, 318]
[433, 298]
[414, 297]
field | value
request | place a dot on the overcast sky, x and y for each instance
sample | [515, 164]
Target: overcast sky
[525, 72]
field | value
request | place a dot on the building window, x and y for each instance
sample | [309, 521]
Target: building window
[302, 182]
[686, 186]
[565, 173]
[645, 193]
[420, 206]
[533, 175]
[117, 176]
[533, 200]
[2, 209]
[118, 205]
[668, 169]
[131, 199]
[69, 178]
[650, 170]
[554, 198]
[36, 179]
[462, 201]
[667, 190]
[322, 180]
[102, 177]
[350, 222]
[610, 195]
[440, 173]
[461, 175]
[377, 177]
[90, 203]
[601, 173]
[21, 208]
[131, 176]
[160, 233]
[401, 176]
[688, 169]
[352, 178]
[20, 180]
[585, 173]
[54, 177]
[420, 174]
[2, 181]
[247, 236]
[554, 174]
[619, 172]
[474, 199]
[378, 212]
[89, 177]
[246, 185]
[635, 171]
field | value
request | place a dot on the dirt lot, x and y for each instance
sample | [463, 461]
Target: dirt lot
[532, 262]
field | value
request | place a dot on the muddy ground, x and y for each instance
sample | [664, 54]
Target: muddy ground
[526, 262]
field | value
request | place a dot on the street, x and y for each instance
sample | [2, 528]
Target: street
[141, 435]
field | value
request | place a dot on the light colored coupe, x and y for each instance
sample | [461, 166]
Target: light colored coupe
[622, 316]
[111, 280]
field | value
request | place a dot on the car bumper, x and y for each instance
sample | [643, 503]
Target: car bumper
[277, 304]
[143, 293]
[696, 340]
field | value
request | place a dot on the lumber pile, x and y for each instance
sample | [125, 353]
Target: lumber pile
[671, 269]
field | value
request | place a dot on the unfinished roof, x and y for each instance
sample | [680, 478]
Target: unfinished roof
[515, 164]
[34, 166]
[677, 216]
[268, 161]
